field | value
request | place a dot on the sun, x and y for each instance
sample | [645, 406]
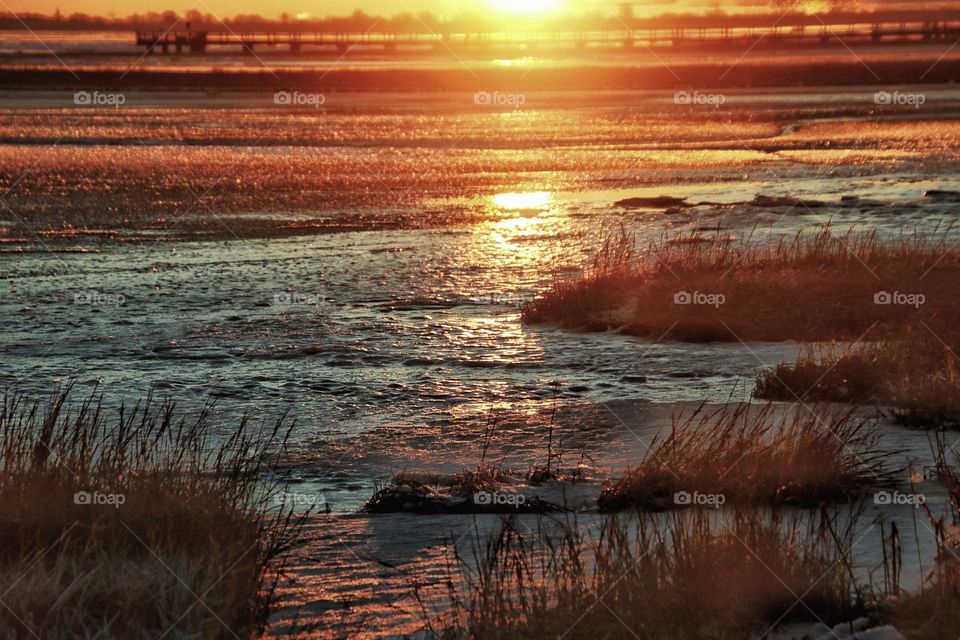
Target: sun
[525, 7]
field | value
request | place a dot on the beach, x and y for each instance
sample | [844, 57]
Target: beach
[356, 244]
[362, 266]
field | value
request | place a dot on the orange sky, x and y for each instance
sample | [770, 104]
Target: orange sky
[234, 7]
[321, 8]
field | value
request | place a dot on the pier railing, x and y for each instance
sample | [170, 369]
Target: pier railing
[201, 41]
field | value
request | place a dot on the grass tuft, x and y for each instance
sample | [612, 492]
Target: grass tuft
[815, 286]
[680, 575]
[136, 525]
[748, 455]
[925, 614]
[463, 492]
[913, 372]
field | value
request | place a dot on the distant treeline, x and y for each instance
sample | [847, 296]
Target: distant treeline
[428, 22]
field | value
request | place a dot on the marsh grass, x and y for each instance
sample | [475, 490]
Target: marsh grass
[927, 614]
[430, 493]
[437, 491]
[815, 286]
[750, 455]
[692, 574]
[914, 372]
[187, 545]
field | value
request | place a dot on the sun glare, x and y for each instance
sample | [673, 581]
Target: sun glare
[522, 201]
[525, 7]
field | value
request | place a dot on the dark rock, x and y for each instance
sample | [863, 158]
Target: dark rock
[658, 202]
[761, 200]
[942, 194]
[423, 501]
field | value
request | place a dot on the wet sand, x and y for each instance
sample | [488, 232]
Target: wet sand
[208, 211]
[237, 166]
[647, 74]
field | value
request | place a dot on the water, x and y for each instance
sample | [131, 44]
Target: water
[360, 269]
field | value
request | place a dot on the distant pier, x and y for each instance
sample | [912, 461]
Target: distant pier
[199, 41]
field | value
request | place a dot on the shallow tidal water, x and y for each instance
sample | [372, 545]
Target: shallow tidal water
[361, 270]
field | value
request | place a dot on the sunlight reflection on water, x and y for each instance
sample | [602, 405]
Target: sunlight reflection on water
[538, 200]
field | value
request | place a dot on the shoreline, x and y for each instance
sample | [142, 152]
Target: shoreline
[798, 73]
[538, 346]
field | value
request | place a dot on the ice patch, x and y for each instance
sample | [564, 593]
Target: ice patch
[858, 629]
